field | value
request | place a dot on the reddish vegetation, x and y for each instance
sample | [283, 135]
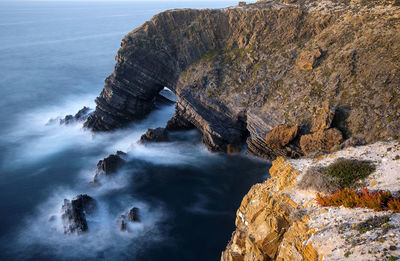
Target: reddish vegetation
[377, 200]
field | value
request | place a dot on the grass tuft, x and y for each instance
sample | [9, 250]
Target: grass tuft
[347, 173]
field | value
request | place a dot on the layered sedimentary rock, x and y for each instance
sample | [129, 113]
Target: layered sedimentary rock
[239, 72]
[154, 135]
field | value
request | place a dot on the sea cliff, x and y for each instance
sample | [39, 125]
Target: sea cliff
[240, 72]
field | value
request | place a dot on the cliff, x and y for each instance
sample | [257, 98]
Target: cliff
[278, 220]
[240, 72]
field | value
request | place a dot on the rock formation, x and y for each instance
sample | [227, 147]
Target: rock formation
[239, 72]
[266, 227]
[280, 220]
[74, 213]
[154, 135]
[131, 216]
[81, 115]
[109, 165]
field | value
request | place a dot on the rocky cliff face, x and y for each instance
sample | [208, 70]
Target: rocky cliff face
[240, 72]
[280, 220]
[269, 224]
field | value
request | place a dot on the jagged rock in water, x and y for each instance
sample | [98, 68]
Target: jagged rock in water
[81, 115]
[131, 216]
[122, 224]
[74, 213]
[109, 165]
[238, 72]
[323, 140]
[154, 135]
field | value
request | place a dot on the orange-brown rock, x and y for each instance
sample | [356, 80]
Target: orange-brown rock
[281, 135]
[292, 246]
[323, 118]
[323, 140]
[308, 59]
[265, 221]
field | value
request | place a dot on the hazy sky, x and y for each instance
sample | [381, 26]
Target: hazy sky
[231, 1]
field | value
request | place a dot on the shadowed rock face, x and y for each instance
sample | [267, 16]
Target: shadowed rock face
[239, 72]
[109, 165]
[74, 213]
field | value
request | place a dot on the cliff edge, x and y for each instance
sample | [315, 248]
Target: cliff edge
[279, 220]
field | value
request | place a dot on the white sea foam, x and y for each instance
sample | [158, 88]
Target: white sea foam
[45, 227]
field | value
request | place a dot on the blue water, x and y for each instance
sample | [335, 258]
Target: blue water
[54, 57]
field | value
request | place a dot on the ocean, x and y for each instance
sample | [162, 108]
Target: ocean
[54, 57]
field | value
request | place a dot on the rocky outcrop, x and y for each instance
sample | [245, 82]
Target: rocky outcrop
[74, 213]
[267, 227]
[109, 165]
[323, 141]
[280, 219]
[154, 135]
[131, 216]
[239, 72]
[281, 135]
[80, 116]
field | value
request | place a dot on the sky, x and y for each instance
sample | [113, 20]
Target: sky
[248, 1]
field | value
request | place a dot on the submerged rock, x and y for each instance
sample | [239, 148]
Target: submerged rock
[154, 135]
[109, 165]
[74, 213]
[81, 115]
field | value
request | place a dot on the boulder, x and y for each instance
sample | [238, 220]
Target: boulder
[308, 59]
[154, 135]
[109, 165]
[281, 135]
[323, 140]
[323, 118]
[74, 213]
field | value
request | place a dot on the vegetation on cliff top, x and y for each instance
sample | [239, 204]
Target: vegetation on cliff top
[343, 173]
[377, 200]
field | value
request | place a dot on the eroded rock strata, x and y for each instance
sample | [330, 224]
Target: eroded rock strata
[239, 72]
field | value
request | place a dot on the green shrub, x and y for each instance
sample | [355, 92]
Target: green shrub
[347, 173]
